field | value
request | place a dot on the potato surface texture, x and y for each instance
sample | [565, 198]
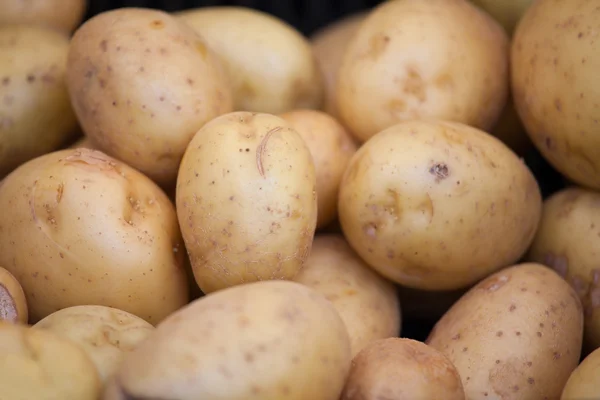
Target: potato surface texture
[13, 304]
[583, 382]
[246, 200]
[62, 15]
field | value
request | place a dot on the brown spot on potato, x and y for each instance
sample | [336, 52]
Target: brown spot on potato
[492, 285]
[414, 85]
[30, 78]
[377, 45]
[440, 171]
[444, 81]
[104, 45]
[530, 380]
[157, 24]
[499, 334]
[558, 105]
[201, 48]
[5, 81]
[512, 308]
[397, 106]
[8, 308]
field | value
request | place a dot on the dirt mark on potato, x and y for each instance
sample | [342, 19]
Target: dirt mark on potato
[440, 171]
[260, 150]
[8, 308]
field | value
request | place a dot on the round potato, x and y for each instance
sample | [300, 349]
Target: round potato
[106, 334]
[270, 64]
[62, 15]
[413, 59]
[556, 87]
[267, 340]
[507, 12]
[246, 200]
[437, 205]
[84, 228]
[367, 303]
[39, 365]
[142, 84]
[13, 305]
[35, 111]
[583, 382]
[331, 147]
[515, 335]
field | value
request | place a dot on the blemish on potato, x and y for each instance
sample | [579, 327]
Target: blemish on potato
[5, 81]
[30, 78]
[414, 85]
[8, 308]
[157, 24]
[493, 285]
[440, 171]
[104, 45]
[201, 48]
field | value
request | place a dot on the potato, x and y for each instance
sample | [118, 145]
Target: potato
[142, 84]
[507, 12]
[13, 305]
[84, 228]
[438, 205]
[412, 59]
[583, 382]
[264, 340]
[62, 15]
[35, 111]
[515, 335]
[568, 240]
[556, 87]
[367, 303]
[270, 64]
[106, 334]
[331, 147]
[35, 364]
[246, 201]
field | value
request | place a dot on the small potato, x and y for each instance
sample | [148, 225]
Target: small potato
[13, 305]
[270, 340]
[414, 59]
[367, 302]
[62, 15]
[270, 64]
[246, 200]
[515, 335]
[331, 147]
[36, 116]
[584, 381]
[142, 84]
[106, 334]
[436, 205]
[39, 365]
[84, 228]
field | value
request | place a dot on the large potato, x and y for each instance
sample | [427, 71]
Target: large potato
[142, 84]
[556, 87]
[35, 111]
[515, 335]
[84, 228]
[268, 340]
[270, 64]
[583, 382]
[246, 200]
[63, 15]
[413, 59]
[438, 205]
[13, 304]
[367, 303]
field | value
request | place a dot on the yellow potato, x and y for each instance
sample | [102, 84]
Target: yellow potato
[84, 228]
[271, 340]
[583, 382]
[515, 335]
[270, 64]
[507, 12]
[13, 305]
[367, 302]
[438, 205]
[63, 15]
[142, 84]
[246, 200]
[331, 147]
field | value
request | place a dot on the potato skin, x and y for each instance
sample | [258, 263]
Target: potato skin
[367, 302]
[270, 340]
[142, 84]
[413, 59]
[85, 228]
[246, 200]
[516, 335]
[13, 304]
[556, 86]
[62, 15]
[416, 199]
[583, 382]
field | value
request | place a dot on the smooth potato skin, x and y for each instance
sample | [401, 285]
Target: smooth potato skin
[85, 228]
[13, 304]
[62, 15]
[583, 382]
[556, 86]
[272, 340]
[516, 335]
[417, 199]
[246, 200]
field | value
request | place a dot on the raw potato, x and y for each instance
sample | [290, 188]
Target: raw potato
[331, 147]
[62, 15]
[271, 340]
[568, 240]
[516, 335]
[270, 64]
[106, 334]
[142, 84]
[438, 205]
[84, 228]
[39, 365]
[402, 369]
[367, 303]
[13, 305]
[583, 382]
[556, 87]
[246, 201]
[506, 12]
[35, 111]
[413, 59]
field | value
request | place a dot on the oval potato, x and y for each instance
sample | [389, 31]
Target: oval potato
[63, 15]
[583, 382]
[13, 304]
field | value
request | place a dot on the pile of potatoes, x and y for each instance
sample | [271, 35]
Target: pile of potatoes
[256, 214]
